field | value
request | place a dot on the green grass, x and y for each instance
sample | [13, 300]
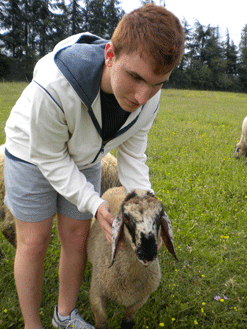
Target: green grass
[9, 93]
[203, 189]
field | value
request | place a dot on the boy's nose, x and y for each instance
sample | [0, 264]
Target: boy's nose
[143, 94]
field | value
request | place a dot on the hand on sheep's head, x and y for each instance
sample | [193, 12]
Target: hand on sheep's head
[105, 219]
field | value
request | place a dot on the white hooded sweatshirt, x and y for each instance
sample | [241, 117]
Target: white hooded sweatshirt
[56, 123]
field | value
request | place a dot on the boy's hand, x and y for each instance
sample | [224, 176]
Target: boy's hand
[105, 219]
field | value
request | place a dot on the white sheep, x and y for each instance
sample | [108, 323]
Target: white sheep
[7, 219]
[134, 273]
[2, 188]
[109, 173]
[241, 146]
[2, 149]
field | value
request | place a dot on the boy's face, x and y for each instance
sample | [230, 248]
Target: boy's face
[131, 79]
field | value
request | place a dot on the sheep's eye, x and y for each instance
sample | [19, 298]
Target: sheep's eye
[128, 222]
[131, 226]
[126, 218]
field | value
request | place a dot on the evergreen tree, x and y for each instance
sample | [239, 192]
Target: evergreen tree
[197, 69]
[145, 2]
[60, 23]
[96, 20]
[214, 58]
[113, 13]
[75, 17]
[231, 55]
[11, 19]
[180, 77]
[243, 59]
[42, 25]
[201, 36]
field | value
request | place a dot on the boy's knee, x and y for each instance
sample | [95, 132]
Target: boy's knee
[33, 245]
[73, 233]
[33, 238]
[76, 240]
[33, 248]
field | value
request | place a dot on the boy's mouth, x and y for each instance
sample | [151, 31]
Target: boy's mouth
[132, 103]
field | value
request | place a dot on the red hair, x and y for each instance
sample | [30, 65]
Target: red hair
[154, 33]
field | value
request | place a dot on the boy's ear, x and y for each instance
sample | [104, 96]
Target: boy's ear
[109, 53]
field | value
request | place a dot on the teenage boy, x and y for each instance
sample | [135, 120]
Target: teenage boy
[86, 98]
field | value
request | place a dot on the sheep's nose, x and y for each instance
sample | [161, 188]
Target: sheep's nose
[147, 251]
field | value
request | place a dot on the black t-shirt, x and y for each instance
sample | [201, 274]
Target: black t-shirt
[113, 116]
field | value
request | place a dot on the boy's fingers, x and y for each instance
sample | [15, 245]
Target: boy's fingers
[105, 219]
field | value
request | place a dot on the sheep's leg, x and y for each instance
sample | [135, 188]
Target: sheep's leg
[98, 304]
[127, 324]
[129, 318]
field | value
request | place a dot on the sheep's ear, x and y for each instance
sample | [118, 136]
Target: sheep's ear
[167, 235]
[117, 228]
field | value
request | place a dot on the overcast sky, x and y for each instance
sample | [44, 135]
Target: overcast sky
[224, 13]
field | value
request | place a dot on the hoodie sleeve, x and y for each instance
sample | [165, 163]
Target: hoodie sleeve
[48, 150]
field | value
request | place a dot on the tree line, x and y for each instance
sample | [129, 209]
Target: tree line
[29, 29]
[210, 63]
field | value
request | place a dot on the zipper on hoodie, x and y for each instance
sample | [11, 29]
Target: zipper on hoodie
[104, 144]
[102, 149]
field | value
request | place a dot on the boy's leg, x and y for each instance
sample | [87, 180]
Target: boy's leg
[73, 234]
[32, 242]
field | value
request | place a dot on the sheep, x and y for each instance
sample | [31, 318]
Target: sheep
[109, 173]
[109, 178]
[2, 149]
[2, 188]
[8, 223]
[241, 146]
[130, 277]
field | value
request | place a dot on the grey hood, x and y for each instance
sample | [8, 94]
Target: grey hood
[82, 65]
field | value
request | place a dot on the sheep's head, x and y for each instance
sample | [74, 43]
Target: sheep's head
[145, 219]
[240, 150]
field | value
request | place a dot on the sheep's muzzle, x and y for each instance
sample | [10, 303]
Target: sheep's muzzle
[147, 250]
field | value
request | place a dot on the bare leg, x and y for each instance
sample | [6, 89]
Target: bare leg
[32, 242]
[73, 235]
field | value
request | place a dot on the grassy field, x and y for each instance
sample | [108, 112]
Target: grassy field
[203, 189]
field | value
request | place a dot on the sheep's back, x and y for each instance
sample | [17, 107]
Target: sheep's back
[109, 173]
[244, 130]
[115, 197]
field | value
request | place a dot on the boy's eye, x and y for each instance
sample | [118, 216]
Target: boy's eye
[136, 77]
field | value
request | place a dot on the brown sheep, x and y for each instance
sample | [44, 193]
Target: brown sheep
[134, 273]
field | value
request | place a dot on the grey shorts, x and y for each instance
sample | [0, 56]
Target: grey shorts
[30, 197]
